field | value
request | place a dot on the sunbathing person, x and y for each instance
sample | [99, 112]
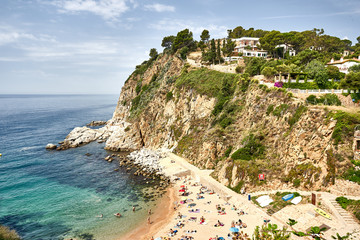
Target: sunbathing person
[219, 224]
[202, 220]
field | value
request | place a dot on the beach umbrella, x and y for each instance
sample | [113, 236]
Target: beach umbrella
[183, 198]
[234, 229]
[192, 204]
[158, 238]
[182, 186]
[182, 190]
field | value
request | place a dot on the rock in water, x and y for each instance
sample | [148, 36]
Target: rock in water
[50, 146]
[96, 123]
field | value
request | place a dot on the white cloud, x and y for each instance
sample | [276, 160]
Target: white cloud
[157, 7]
[176, 25]
[10, 35]
[108, 9]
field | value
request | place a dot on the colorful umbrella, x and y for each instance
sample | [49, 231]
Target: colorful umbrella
[234, 229]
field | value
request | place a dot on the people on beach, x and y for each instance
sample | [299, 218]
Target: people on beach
[117, 215]
[133, 208]
[149, 212]
[219, 224]
[148, 220]
[202, 220]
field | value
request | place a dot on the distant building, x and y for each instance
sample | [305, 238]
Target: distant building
[287, 48]
[249, 47]
[344, 64]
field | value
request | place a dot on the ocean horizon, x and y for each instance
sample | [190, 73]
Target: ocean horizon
[60, 194]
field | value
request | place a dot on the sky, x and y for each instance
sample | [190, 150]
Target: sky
[92, 46]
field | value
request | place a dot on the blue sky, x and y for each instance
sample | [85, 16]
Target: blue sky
[92, 46]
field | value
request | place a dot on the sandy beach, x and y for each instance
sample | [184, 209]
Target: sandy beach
[221, 209]
[159, 217]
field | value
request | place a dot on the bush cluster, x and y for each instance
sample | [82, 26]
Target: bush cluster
[327, 99]
[253, 148]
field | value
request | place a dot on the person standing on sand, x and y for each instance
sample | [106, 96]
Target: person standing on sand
[149, 212]
[133, 208]
[148, 220]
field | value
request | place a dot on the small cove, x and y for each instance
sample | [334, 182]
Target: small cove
[59, 194]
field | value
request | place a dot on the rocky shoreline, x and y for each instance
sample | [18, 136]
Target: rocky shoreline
[143, 162]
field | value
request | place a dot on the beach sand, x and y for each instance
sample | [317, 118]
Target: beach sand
[159, 217]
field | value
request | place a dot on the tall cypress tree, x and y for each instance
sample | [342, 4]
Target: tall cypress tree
[218, 52]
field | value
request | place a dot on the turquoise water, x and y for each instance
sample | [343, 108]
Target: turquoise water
[59, 194]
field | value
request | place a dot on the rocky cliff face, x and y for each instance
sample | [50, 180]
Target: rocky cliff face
[257, 130]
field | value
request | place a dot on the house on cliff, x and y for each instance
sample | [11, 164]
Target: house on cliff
[344, 64]
[249, 47]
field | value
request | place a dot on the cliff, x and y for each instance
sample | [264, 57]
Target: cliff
[235, 126]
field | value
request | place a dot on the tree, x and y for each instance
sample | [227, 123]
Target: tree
[305, 57]
[210, 55]
[358, 39]
[313, 67]
[317, 71]
[153, 54]
[333, 72]
[205, 36]
[283, 68]
[228, 48]
[254, 65]
[183, 38]
[167, 42]
[270, 41]
[268, 72]
[183, 52]
[218, 52]
[355, 68]
[351, 81]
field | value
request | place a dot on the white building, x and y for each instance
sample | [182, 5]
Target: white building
[287, 48]
[248, 46]
[344, 64]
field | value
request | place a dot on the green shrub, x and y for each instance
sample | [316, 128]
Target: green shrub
[226, 122]
[154, 77]
[228, 151]
[135, 102]
[303, 86]
[127, 129]
[330, 99]
[269, 109]
[207, 82]
[343, 202]
[253, 148]
[219, 106]
[312, 99]
[138, 87]
[239, 69]
[299, 111]
[169, 96]
[280, 110]
[296, 182]
[345, 124]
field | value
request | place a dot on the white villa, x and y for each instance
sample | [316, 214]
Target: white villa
[344, 64]
[287, 48]
[248, 46]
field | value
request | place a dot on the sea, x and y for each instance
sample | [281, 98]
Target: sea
[49, 194]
